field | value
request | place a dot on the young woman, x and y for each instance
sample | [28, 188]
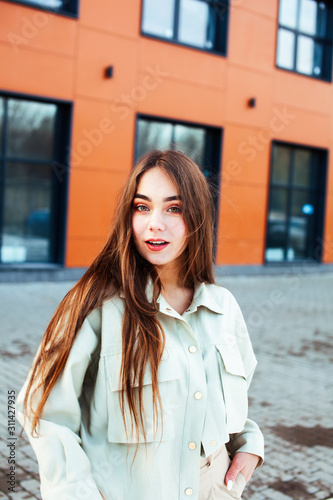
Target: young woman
[139, 388]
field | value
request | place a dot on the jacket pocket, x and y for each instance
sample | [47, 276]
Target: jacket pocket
[233, 379]
[163, 428]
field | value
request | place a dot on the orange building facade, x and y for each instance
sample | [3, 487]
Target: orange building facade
[86, 89]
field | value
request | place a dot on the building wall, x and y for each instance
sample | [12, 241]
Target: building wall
[49, 55]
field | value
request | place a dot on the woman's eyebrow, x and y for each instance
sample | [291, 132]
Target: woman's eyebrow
[165, 200]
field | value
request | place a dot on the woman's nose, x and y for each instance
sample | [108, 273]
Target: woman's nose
[156, 222]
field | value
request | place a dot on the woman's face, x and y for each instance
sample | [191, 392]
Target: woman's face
[158, 226]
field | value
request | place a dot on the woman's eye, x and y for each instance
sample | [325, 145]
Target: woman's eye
[174, 210]
[141, 208]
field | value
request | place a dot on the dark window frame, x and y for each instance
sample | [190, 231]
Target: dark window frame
[60, 173]
[213, 146]
[325, 41]
[71, 11]
[321, 191]
[223, 29]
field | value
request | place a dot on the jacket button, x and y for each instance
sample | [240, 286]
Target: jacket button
[213, 443]
[168, 309]
[188, 491]
[192, 445]
[192, 349]
[198, 395]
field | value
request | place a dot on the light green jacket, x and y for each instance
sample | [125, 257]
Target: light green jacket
[204, 374]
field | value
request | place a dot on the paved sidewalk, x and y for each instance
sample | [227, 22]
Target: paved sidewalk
[290, 319]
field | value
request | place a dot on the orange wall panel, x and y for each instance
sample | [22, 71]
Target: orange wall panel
[251, 39]
[36, 73]
[82, 251]
[239, 251]
[97, 51]
[92, 199]
[259, 7]
[246, 155]
[112, 15]
[23, 27]
[242, 218]
[302, 127]
[302, 92]
[100, 134]
[243, 85]
[184, 64]
[177, 101]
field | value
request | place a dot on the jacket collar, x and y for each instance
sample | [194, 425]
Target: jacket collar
[204, 296]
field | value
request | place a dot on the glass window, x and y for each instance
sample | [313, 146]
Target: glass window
[26, 218]
[305, 37]
[280, 174]
[197, 23]
[305, 53]
[286, 49]
[60, 6]
[302, 168]
[33, 138]
[191, 140]
[202, 144]
[153, 135]
[308, 17]
[295, 211]
[31, 128]
[158, 17]
[288, 13]
[193, 23]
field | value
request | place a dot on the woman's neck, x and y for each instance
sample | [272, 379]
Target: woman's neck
[173, 290]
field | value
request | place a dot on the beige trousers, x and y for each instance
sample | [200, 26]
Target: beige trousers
[212, 472]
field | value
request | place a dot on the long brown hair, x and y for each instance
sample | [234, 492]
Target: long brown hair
[119, 267]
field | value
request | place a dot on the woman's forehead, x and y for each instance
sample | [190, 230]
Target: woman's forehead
[156, 183]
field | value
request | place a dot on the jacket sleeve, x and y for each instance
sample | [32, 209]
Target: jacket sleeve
[65, 470]
[250, 439]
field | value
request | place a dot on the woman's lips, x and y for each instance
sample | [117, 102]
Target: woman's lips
[156, 246]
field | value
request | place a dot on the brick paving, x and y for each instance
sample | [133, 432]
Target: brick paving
[290, 319]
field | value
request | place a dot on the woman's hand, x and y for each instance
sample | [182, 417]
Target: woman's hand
[244, 463]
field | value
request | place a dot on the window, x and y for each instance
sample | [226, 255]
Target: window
[202, 144]
[32, 194]
[67, 7]
[304, 40]
[296, 203]
[196, 23]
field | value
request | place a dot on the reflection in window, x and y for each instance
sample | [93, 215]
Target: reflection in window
[153, 135]
[288, 13]
[202, 144]
[26, 219]
[31, 191]
[305, 37]
[197, 23]
[285, 49]
[30, 129]
[281, 158]
[303, 169]
[295, 211]
[158, 17]
[191, 140]
[62, 6]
